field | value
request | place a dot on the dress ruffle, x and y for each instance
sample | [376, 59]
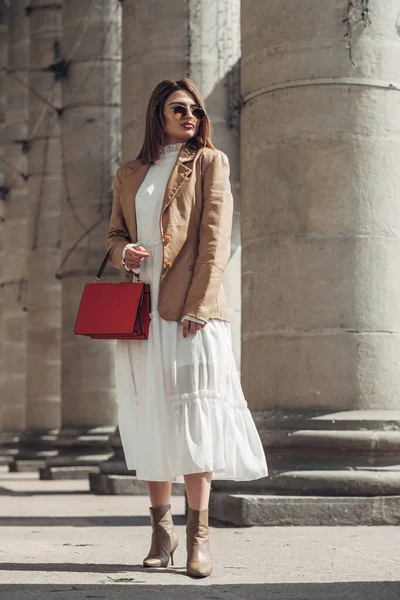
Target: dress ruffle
[166, 435]
[203, 436]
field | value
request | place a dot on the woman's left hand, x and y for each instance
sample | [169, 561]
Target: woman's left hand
[191, 327]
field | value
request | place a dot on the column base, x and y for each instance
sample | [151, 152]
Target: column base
[124, 485]
[55, 473]
[116, 485]
[115, 479]
[34, 448]
[80, 452]
[323, 469]
[245, 510]
[9, 441]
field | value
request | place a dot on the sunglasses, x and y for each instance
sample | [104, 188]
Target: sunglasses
[181, 112]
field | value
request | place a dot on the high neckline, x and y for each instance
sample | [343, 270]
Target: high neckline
[171, 148]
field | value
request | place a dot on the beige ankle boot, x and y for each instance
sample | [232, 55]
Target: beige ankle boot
[198, 553]
[164, 540]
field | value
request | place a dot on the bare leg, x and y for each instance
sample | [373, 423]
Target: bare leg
[198, 487]
[159, 492]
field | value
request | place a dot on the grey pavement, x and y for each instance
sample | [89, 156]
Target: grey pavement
[58, 541]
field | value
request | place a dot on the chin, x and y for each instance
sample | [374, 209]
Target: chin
[183, 137]
[187, 136]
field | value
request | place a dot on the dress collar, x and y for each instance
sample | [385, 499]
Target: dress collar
[171, 148]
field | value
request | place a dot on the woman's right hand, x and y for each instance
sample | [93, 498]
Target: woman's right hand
[134, 256]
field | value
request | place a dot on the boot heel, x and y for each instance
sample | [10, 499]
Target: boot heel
[172, 557]
[163, 540]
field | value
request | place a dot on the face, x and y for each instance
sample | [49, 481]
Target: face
[178, 127]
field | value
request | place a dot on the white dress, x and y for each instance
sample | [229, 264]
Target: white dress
[181, 405]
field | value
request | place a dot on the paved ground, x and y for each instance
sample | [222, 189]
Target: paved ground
[58, 541]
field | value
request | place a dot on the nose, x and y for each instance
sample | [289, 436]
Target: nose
[190, 111]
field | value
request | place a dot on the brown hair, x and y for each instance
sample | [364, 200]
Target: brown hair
[154, 133]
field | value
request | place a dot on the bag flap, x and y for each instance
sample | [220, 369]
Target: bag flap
[109, 308]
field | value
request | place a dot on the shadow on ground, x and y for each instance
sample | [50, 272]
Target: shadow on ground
[205, 590]
[8, 492]
[95, 521]
[83, 568]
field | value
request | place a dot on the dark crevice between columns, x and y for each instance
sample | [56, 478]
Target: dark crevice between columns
[49, 6]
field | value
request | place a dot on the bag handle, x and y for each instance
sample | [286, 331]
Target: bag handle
[103, 266]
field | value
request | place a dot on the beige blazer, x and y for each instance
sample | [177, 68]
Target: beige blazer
[195, 226]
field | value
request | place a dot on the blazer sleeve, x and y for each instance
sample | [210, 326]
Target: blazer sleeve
[118, 234]
[214, 239]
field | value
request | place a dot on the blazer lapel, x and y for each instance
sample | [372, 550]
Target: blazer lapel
[180, 173]
[138, 172]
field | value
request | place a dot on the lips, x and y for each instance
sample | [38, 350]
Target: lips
[187, 125]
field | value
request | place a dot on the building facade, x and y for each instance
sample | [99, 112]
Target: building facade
[304, 100]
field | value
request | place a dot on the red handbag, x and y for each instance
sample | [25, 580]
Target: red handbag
[110, 311]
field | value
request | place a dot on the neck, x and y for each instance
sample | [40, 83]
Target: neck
[170, 141]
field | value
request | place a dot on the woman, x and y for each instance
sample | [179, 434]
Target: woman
[182, 414]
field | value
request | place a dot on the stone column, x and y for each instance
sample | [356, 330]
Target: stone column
[5, 437]
[91, 155]
[43, 251]
[149, 54]
[199, 39]
[3, 190]
[321, 248]
[213, 64]
[15, 57]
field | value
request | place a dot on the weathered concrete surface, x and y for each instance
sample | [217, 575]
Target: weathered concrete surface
[14, 238]
[109, 483]
[91, 140]
[76, 472]
[320, 212]
[45, 186]
[320, 236]
[81, 450]
[3, 117]
[245, 510]
[349, 453]
[64, 543]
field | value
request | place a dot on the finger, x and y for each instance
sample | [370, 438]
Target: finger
[133, 264]
[133, 252]
[140, 249]
[185, 328]
[192, 327]
[134, 259]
